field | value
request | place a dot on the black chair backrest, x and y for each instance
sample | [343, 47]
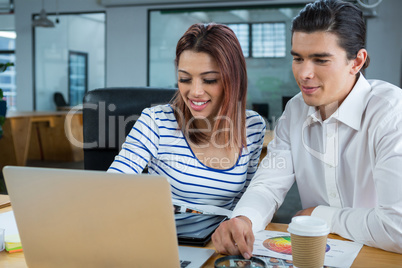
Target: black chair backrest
[108, 116]
[59, 100]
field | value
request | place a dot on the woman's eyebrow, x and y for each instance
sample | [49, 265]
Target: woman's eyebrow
[182, 71]
[210, 72]
[204, 73]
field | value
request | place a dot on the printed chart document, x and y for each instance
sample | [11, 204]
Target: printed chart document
[277, 245]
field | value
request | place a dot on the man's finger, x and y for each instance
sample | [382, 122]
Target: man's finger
[241, 234]
[250, 242]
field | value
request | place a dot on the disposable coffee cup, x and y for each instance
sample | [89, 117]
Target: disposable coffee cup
[308, 237]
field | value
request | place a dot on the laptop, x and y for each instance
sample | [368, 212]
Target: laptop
[82, 218]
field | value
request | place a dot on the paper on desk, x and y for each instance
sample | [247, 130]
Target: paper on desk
[11, 235]
[277, 244]
[183, 207]
[7, 222]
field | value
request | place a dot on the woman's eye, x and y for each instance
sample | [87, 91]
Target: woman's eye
[184, 80]
[210, 81]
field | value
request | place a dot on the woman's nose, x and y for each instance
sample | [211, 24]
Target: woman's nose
[197, 88]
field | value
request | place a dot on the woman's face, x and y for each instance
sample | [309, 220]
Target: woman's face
[200, 84]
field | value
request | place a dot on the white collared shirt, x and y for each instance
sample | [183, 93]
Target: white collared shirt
[349, 165]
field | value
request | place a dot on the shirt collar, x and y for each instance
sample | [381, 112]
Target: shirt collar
[314, 114]
[351, 110]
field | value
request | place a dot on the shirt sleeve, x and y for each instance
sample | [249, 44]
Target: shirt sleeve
[380, 226]
[271, 182]
[140, 146]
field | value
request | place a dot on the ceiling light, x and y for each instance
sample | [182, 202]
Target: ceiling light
[42, 21]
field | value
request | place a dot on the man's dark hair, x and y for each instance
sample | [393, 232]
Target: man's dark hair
[338, 17]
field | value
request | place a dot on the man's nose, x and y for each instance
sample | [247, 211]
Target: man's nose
[306, 70]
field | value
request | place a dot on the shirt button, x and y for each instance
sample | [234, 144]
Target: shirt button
[333, 195]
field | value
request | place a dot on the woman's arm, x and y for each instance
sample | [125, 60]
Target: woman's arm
[140, 146]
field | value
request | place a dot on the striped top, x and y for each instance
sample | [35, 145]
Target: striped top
[155, 140]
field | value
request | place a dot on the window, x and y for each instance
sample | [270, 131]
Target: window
[267, 40]
[77, 77]
[7, 78]
[242, 32]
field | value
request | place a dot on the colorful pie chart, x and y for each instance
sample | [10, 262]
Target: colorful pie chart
[281, 244]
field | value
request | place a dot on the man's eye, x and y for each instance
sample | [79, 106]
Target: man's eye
[321, 61]
[297, 59]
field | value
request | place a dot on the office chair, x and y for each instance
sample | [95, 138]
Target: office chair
[59, 100]
[108, 116]
[262, 109]
[285, 100]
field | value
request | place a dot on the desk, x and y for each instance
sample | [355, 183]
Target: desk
[368, 256]
[40, 135]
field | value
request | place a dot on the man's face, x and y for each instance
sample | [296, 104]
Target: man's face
[321, 69]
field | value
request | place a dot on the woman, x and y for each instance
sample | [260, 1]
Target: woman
[205, 142]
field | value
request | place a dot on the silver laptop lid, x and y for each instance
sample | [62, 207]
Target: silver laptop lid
[80, 218]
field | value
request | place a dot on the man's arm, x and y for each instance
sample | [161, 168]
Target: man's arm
[380, 226]
[305, 212]
[263, 197]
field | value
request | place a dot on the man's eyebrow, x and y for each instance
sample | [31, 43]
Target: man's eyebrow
[320, 55]
[294, 53]
[314, 55]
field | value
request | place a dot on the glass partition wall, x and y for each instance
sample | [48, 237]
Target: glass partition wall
[69, 58]
[265, 37]
[7, 78]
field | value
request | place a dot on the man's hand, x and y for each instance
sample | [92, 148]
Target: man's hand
[305, 212]
[234, 237]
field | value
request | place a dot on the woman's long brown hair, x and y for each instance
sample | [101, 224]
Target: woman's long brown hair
[221, 43]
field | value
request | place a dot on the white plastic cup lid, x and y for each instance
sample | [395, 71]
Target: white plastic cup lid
[308, 226]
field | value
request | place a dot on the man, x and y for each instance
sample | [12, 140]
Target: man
[340, 139]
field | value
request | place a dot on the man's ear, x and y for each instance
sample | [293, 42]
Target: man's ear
[359, 61]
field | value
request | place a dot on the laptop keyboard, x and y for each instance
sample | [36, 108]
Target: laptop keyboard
[184, 264]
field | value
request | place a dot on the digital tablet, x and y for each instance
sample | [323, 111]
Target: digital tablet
[196, 229]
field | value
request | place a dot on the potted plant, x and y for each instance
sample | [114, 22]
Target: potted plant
[3, 103]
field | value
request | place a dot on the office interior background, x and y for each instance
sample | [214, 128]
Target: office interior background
[124, 43]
